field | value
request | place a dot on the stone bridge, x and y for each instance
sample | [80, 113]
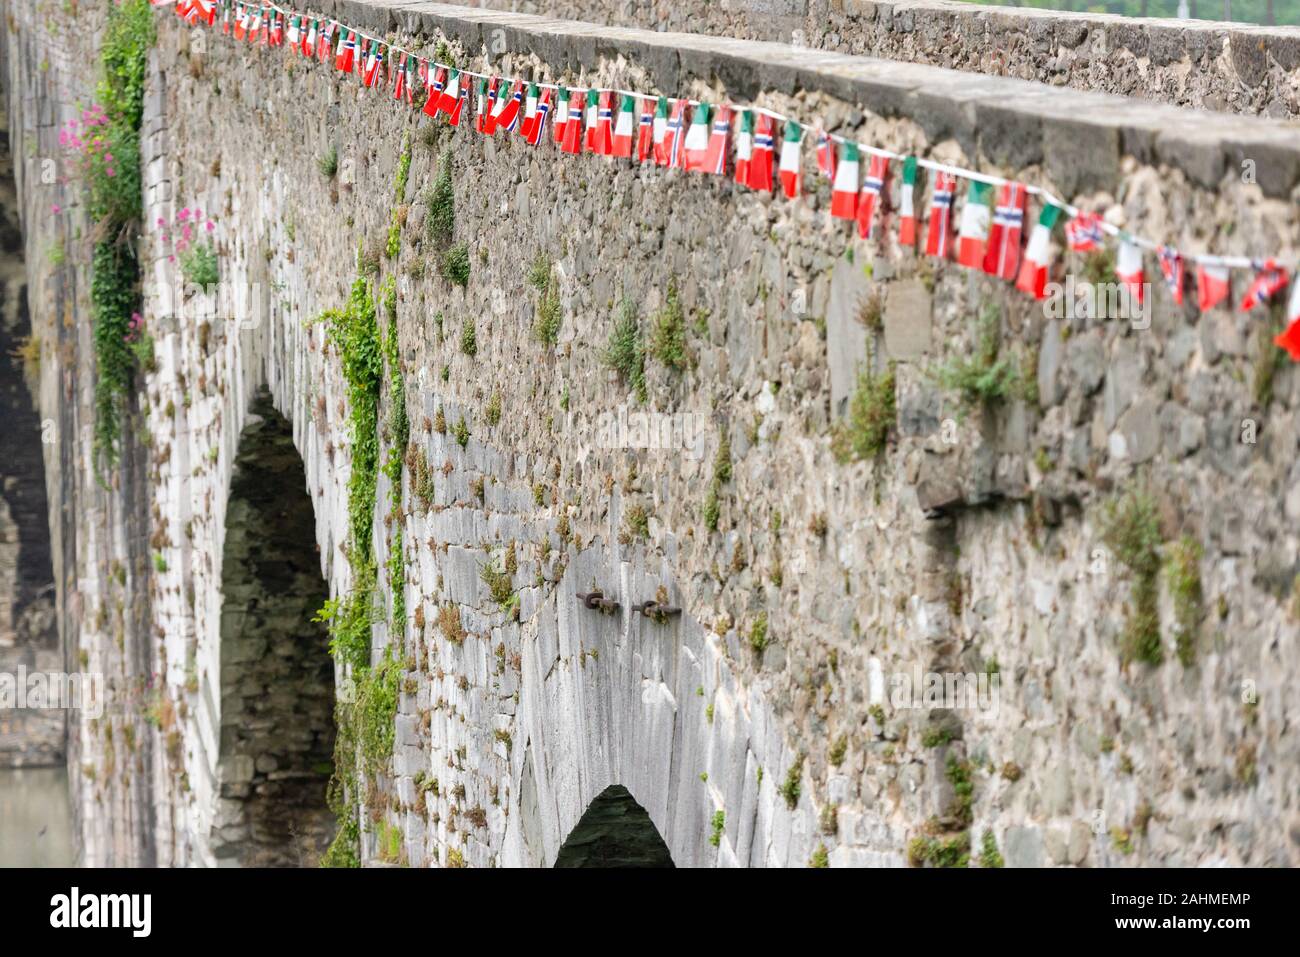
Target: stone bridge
[418, 439]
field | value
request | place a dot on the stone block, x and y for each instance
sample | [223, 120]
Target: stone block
[908, 319]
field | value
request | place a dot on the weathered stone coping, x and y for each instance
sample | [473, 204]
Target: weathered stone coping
[1078, 137]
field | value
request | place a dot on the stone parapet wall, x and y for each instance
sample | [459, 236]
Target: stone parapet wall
[1226, 67]
[972, 544]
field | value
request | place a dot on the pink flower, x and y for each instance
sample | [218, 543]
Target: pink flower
[171, 259]
[109, 172]
[186, 232]
[184, 214]
[162, 222]
[108, 157]
[56, 209]
[209, 225]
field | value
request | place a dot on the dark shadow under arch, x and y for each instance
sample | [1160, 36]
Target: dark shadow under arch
[277, 677]
[615, 831]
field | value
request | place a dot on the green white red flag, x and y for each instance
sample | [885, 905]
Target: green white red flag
[907, 204]
[697, 139]
[972, 238]
[790, 148]
[1037, 261]
[624, 127]
[844, 190]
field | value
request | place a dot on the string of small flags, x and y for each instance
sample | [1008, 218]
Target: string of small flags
[697, 136]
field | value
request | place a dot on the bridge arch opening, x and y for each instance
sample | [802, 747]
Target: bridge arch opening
[615, 831]
[277, 677]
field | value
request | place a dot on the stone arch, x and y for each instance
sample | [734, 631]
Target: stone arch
[276, 675]
[615, 831]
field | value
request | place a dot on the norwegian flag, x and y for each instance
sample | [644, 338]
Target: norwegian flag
[510, 107]
[825, 155]
[604, 138]
[275, 36]
[1083, 233]
[645, 140]
[877, 170]
[572, 141]
[760, 163]
[325, 45]
[1003, 253]
[538, 127]
[199, 11]
[487, 98]
[347, 51]
[715, 158]
[1171, 267]
[675, 134]
[940, 231]
[435, 92]
[1270, 279]
[374, 66]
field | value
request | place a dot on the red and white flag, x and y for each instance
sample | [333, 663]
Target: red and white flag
[844, 189]
[1289, 339]
[872, 189]
[325, 45]
[1037, 260]
[572, 141]
[374, 66]
[760, 163]
[744, 145]
[645, 140]
[1003, 254]
[675, 136]
[241, 22]
[510, 107]
[825, 154]
[487, 94]
[452, 98]
[294, 36]
[591, 120]
[1171, 267]
[1212, 285]
[791, 142]
[715, 160]
[309, 38]
[660, 132]
[1270, 279]
[1128, 267]
[605, 124]
[940, 230]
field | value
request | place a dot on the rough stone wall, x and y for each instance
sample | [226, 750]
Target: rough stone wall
[973, 539]
[28, 636]
[1227, 67]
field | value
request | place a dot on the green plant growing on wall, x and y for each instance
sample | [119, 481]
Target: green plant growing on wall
[625, 352]
[455, 265]
[792, 787]
[328, 162]
[539, 272]
[872, 415]
[719, 824]
[469, 339]
[199, 265]
[440, 222]
[990, 856]
[1131, 529]
[546, 327]
[940, 852]
[668, 335]
[820, 858]
[758, 637]
[984, 377]
[1183, 572]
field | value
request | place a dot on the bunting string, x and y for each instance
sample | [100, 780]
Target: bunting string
[990, 227]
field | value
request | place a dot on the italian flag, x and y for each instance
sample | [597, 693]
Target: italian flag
[1211, 285]
[572, 142]
[276, 34]
[452, 97]
[790, 159]
[973, 236]
[562, 114]
[241, 23]
[591, 119]
[744, 146]
[760, 164]
[660, 132]
[624, 128]
[697, 140]
[435, 94]
[1038, 254]
[1003, 255]
[877, 170]
[844, 192]
[907, 204]
[1128, 267]
[1270, 279]
[645, 135]
[1290, 337]
[309, 39]
[295, 33]
[530, 111]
